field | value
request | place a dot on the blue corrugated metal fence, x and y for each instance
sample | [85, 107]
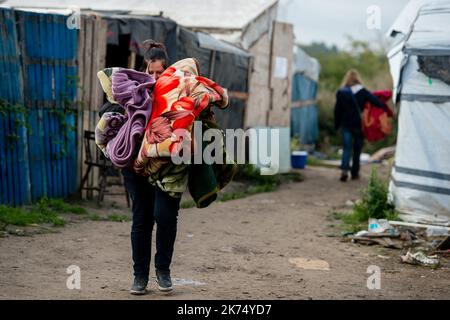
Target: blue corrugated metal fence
[38, 89]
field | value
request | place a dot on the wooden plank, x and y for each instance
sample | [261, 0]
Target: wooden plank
[259, 94]
[98, 37]
[95, 171]
[212, 64]
[98, 60]
[80, 100]
[132, 60]
[88, 44]
[416, 225]
[282, 48]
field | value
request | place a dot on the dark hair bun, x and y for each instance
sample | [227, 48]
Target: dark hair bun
[150, 44]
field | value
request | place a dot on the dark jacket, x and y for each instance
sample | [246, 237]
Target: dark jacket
[346, 114]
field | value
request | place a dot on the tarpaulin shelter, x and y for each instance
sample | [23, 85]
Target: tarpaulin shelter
[304, 116]
[419, 61]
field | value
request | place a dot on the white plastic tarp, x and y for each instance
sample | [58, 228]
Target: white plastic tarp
[431, 32]
[397, 60]
[420, 184]
[306, 65]
[406, 18]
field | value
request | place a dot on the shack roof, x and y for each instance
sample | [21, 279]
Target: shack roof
[199, 14]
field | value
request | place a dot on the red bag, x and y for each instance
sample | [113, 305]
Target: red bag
[377, 123]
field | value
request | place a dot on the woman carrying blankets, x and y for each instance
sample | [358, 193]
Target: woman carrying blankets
[142, 139]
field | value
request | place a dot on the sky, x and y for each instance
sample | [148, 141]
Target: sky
[330, 21]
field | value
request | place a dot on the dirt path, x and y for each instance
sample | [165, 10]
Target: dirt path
[232, 250]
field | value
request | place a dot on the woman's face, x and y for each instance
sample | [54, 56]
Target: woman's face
[155, 68]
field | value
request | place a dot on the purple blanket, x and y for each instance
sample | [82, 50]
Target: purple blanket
[131, 90]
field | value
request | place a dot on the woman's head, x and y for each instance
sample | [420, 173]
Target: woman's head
[155, 58]
[351, 78]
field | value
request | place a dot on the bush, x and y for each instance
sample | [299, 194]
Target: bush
[373, 204]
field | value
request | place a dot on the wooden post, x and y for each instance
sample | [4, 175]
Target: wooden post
[87, 75]
[80, 102]
[132, 60]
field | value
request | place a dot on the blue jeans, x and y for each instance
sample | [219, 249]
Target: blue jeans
[352, 139]
[151, 205]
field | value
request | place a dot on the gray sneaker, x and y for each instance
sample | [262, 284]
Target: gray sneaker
[163, 280]
[139, 286]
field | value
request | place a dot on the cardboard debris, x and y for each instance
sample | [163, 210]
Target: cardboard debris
[384, 241]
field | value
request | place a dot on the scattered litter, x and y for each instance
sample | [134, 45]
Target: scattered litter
[384, 241]
[427, 241]
[187, 282]
[414, 225]
[362, 233]
[437, 231]
[420, 258]
[309, 264]
[364, 158]
[379, 226]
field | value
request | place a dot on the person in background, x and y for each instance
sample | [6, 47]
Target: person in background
[350, 101]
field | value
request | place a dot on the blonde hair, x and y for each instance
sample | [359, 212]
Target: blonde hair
[351, 78]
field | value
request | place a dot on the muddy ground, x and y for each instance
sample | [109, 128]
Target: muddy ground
[239, 249]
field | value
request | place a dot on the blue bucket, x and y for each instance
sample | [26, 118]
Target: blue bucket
[298, 159]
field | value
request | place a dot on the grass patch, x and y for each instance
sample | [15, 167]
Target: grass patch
[94, 217]
[44, 211]
[59, 206]
[373, 204]
[25, 217]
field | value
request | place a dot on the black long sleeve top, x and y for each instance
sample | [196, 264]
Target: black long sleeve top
[348, 108]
